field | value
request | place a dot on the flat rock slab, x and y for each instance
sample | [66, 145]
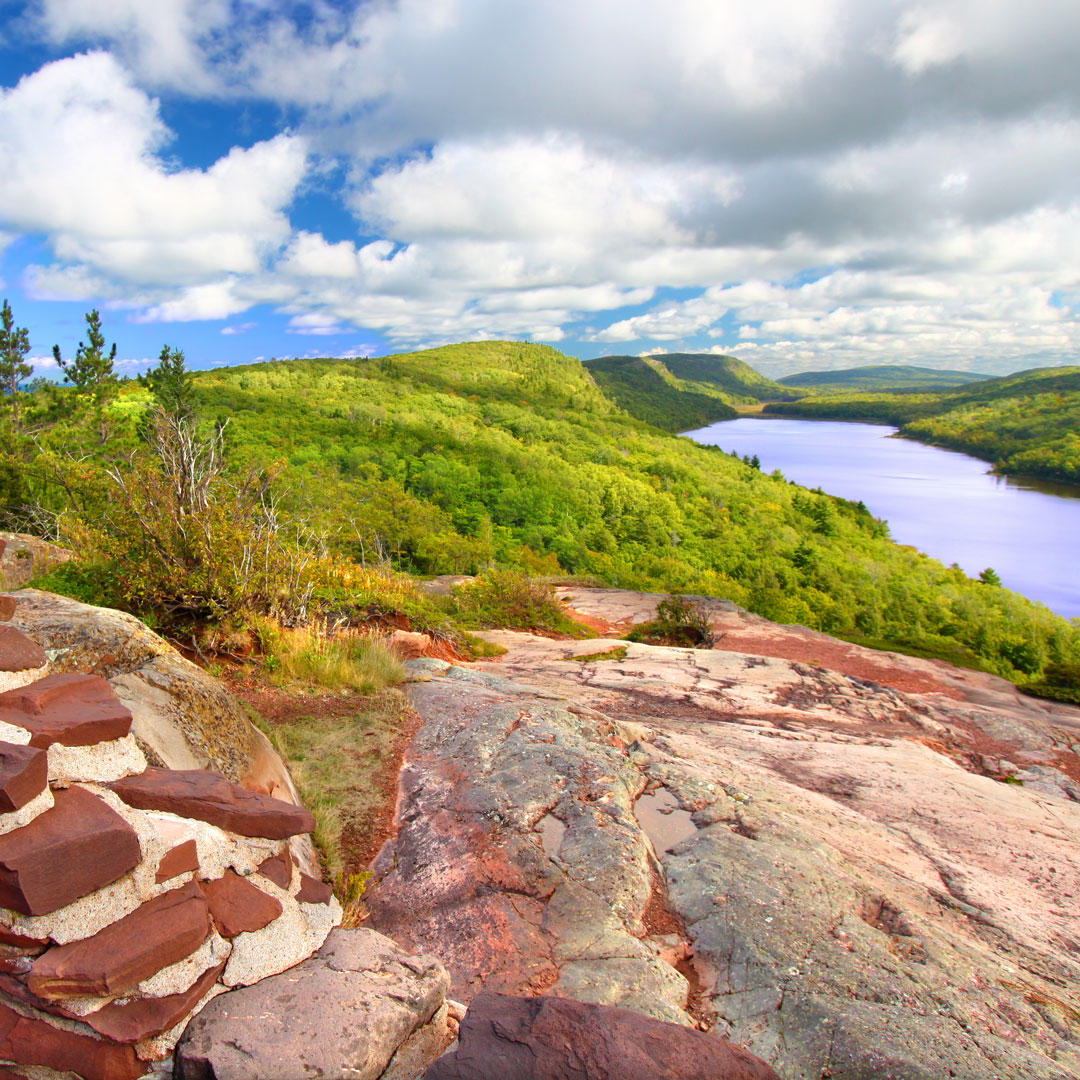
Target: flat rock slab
[17, 651]
[7, 608]
[343, 1013]
[145, 1018]
[158, 933]
[546, 1038]
[237, 906]
[24, 774]
[208, 796]
[80, 845]
[29, 1041]
[178, 860]
[71, 709]
[278, 869]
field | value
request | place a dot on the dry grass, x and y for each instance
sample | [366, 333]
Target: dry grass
[310, 657]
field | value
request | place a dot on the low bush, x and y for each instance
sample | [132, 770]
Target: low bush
[511, 600]
[679, 622]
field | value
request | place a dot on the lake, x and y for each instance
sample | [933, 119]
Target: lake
[942, 502]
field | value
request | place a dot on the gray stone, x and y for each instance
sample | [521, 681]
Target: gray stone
[342, 1014]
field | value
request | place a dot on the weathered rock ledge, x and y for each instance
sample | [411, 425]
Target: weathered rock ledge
[824, 867]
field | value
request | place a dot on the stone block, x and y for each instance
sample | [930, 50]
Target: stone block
[28, 1040]
[24, 774]
[161, 932]
[18, 652]
[207, 796]
[178, 860]
[237, 906]
[313, 891]
[145, 1018]
[78, 846]
[76, 710]
[278, 869]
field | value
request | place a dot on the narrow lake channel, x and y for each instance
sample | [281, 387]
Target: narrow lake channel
[944, 503]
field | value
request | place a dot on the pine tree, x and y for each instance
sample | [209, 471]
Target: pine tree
[14, 370]
[91, 372]
[170, 383]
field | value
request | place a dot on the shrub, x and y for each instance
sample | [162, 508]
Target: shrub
[679, 622]
[508, 599]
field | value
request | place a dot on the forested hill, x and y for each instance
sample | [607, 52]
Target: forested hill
[508, 453]
[726, 374]
[645, 388]
[1027, 423]
[880, 377]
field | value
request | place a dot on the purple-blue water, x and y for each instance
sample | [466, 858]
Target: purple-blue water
[942, 502]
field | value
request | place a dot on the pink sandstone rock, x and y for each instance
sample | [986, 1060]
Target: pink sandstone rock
[74, 710]
[237, 906]
[80, 845]
[209, 797]
[18, 652]
[155, 935]
[24, 774]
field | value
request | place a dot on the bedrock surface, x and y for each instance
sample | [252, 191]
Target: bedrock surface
[826, 868]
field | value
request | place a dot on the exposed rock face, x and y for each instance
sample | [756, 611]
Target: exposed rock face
[22, 556]
[545, 1038]
[856, 892]
[118, 918]
[357, 1009]
[181, 717]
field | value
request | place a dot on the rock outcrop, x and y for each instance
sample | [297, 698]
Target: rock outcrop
[23, 556]
[547, 1038]
[129, 894]
[820, 852]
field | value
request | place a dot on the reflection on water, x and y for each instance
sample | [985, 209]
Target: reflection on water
[942, 502]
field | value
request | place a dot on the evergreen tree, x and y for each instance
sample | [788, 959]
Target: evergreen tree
[14, 345]
[171, 384]
[91, 372]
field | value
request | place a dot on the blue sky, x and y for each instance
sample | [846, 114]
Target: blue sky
[806, 185]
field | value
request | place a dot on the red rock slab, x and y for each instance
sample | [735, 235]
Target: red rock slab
[313, 891]
[548, 1038]
[278, 869]
[80, 845]
[237, 906]
[155, 935]
[147, 1017]
[24, 774]
[18, 652]
[208, 796]
[30, 1041]
[7, 608]
[71, 709]
[9, 939]
[178, 860]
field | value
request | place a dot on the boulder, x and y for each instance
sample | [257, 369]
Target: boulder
[159, 933]
[344, 1012]
[547, 1038]
[237, 906]
[207, 796]
[70, 709]
[80, 845]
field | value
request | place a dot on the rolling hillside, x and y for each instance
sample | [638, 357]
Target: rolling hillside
[880, 377]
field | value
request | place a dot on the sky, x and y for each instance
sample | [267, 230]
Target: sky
[805, 184]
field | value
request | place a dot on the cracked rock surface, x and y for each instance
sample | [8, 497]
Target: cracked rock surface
[851, 889]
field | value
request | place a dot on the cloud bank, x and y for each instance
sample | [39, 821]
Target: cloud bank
[808, 185]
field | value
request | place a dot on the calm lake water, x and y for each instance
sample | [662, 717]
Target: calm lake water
[944, 503]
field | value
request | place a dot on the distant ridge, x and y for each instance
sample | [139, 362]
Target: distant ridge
[681, 391]
[882, 377]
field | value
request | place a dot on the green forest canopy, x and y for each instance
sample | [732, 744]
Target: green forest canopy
[457, 458]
